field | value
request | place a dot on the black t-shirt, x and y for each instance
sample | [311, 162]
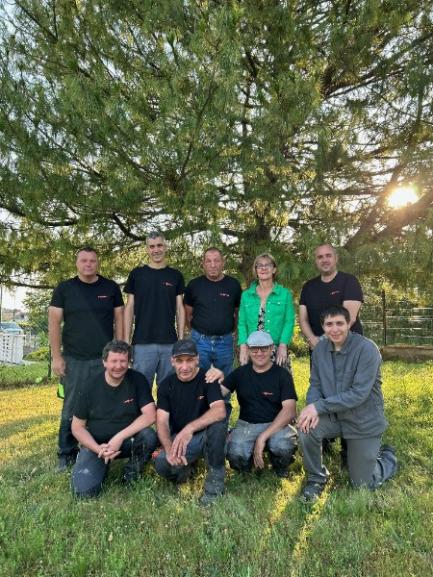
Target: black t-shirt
[88, 315]
[260, 395]
[155, 291]
[317, 296]
[214, 304]
[186, 401]
[109, 409]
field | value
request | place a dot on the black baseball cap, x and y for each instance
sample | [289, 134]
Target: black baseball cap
[184, 347]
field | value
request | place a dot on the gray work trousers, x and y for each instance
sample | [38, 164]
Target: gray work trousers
[151, 360]
[281, 446]
[367, 465]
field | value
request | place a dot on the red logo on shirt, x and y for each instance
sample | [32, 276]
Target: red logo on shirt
[267, 394]
[334, 293]
[200, 397]
[226, 295]
[127, 401]
[166, 283]
[103, 296]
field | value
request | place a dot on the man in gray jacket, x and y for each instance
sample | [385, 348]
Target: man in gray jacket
[345, 400]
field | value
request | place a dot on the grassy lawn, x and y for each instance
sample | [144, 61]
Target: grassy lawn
[258, 529]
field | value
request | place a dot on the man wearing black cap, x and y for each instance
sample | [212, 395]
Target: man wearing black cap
[267, 400]
[191, 422]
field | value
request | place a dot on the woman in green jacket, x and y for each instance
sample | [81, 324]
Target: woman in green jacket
[268, 306]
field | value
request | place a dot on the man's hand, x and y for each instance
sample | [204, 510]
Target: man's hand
[115, 443]
[259, 447]
[106, 453]
[312, 341]
[213, 375]
[180, 444]
[281, 357]
[59, 366]
[308, 418]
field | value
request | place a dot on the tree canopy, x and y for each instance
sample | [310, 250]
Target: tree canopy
[253, 124]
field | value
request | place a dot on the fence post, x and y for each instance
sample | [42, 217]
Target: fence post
[384, 317]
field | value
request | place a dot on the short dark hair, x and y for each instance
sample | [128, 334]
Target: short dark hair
[213, 249]
[154, 234]
[334, 311]
[116, 346]
[86, 248]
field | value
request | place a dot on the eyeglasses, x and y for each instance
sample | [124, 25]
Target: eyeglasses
[264, 265]
[255, 350]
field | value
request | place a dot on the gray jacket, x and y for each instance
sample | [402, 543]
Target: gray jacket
[347, 384]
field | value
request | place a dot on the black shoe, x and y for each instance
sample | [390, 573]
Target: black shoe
[64, 462]
[282, 473]
[312, 491]
[184, 474]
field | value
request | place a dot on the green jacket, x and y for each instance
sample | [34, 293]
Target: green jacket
[279, 314]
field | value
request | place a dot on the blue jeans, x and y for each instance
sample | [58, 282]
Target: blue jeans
[214, 350]
[153, 359]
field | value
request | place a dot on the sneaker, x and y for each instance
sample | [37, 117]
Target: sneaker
[64, 462]
[312, 491]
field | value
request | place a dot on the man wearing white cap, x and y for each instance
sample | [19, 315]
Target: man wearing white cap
[267, 400]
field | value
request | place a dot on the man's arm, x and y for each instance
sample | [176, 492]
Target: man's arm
[146, 419]
[118, 322]
[55, 318]
[83, 436]
[284, 418]
[304, 323]
[128, 317]
[164, 436]
[216, 412]
[180, 316]
[353, 308]
[188, 315]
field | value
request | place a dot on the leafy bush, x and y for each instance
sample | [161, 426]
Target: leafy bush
[41, 354]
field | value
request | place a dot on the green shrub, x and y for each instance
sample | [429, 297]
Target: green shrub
[41, 354]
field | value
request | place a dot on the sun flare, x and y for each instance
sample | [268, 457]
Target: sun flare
[402, 196]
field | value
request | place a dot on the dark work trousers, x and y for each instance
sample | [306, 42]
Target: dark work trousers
[77, 372]
[209, 443]
[89, 471]
[366, 463]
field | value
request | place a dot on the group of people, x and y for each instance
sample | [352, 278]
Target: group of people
[109, 412]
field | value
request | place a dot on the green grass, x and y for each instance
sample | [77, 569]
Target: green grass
[22, 375]
[258, 529]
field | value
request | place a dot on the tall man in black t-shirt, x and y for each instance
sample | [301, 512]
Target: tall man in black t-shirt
[155, 300]
[331, 287]
[112, 418]
[191, 422]
[88, 305]
[267, 400]
[211, 306]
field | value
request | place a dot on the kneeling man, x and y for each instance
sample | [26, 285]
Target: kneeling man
[267, 400]
[112, 419]
[345, 400]
[191, 422]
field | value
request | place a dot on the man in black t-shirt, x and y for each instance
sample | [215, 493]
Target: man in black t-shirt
[88, 305]
[331, 287]
[155, 301]
[211, 306]
[267, 400]
[191, 422]
[112, 418]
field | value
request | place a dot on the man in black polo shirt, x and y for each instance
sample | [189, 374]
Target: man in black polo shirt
[112, 419]
[88, 305]
[155, 300]
[191, 422]
[331, 287]
[211, 306]
[267, 400]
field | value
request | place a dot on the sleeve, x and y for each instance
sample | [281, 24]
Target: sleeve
[143, 391]
[180, 287]
[303, 297]
[289, 320]
[229, 381]
[187, 297]
[213, 393]
[242, 322]
[287, 386]
[57, 299]
[361, 385]
[130, 283]
[314, 392]
[118, 299]
[81, 407]
[163, 396]
[353, 290]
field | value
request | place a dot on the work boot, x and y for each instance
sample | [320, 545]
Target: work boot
[214, 485]
[65, 462]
